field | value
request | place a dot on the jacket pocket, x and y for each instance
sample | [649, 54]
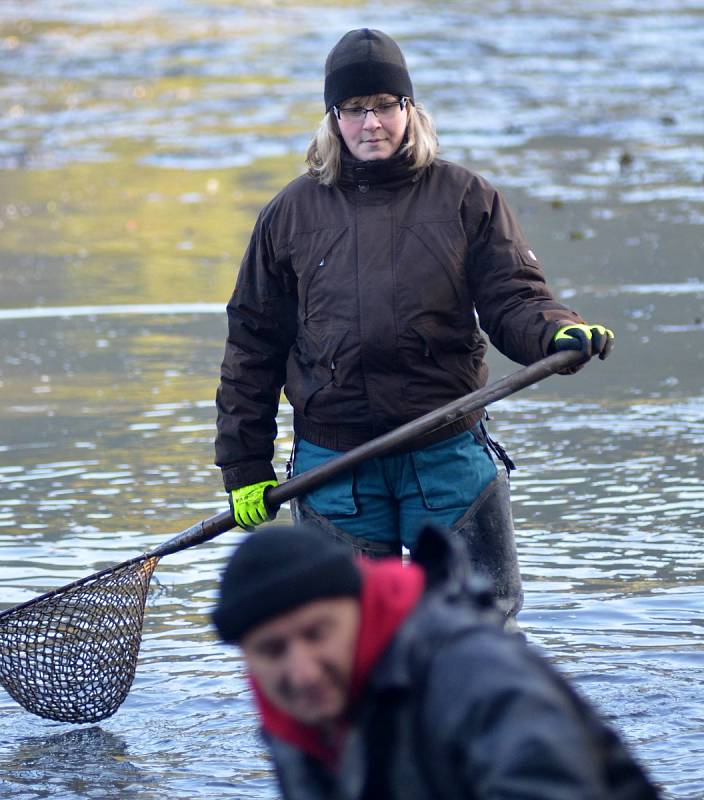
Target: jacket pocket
[311, 253]
[445, 243]
[336, 497]
[315, 365]
[454, 350]
[531, 265]
[452, 473]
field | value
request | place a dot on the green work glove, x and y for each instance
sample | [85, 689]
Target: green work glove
[247, 504]
[591, 340]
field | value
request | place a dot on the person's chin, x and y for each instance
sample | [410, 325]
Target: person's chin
[373, 152]
[319, 713]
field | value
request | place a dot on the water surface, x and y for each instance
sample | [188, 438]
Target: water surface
[136, 147]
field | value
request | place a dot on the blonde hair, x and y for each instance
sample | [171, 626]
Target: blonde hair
[323, 157]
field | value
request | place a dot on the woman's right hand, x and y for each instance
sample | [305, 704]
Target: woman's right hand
[248, 506]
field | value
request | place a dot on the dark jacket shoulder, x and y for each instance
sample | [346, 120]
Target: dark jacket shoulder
[499, 719]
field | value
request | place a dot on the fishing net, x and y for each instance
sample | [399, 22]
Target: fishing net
[70, 655]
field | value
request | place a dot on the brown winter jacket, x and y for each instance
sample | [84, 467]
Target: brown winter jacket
[360, 300]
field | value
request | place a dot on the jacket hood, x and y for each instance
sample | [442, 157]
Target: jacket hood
[390, 592]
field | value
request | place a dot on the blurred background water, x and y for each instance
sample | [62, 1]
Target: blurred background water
[137, 143]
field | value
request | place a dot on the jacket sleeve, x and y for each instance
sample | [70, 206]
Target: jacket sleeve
[514, 728]
[261, 319]
[514, 304]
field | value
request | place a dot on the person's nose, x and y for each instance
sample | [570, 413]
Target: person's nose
[303, 668]
[371, 121]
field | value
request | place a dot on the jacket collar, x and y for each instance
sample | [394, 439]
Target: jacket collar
[387, 173]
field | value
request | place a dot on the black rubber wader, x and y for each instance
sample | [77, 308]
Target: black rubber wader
[303, 513]
[486, 528]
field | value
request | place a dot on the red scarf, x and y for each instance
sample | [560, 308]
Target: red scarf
[390, 592]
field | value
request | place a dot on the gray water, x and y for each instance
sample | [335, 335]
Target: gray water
[136, 146]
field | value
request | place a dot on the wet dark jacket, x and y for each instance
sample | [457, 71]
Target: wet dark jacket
[361, 299]
[457, 709]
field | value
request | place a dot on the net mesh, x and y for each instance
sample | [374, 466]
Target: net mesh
[71, 655]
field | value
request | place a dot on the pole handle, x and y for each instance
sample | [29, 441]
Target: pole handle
[276, 496]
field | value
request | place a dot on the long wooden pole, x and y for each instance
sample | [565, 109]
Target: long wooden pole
[382, 445]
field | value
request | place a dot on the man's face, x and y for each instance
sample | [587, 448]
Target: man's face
[302, 661]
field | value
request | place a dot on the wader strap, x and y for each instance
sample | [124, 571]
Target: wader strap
[289, 463]
[498, 450]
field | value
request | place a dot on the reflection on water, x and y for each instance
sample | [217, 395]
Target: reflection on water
[137, 147]
[87, 762]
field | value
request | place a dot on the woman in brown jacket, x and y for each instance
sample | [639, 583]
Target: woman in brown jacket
[361, 294]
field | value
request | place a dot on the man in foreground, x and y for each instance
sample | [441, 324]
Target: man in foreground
[378, 680]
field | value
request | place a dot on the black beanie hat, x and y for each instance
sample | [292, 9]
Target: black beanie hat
[362, 63]
[278, 569]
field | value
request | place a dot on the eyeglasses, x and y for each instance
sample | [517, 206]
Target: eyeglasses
[382, 111]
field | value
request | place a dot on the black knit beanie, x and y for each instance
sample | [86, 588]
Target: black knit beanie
[362, 63]
[278, 569]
